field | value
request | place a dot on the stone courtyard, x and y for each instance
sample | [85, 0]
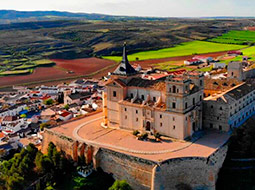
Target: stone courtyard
[90, 131]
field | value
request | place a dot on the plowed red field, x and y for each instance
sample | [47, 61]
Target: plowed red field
[60, 71]
[39, 74]
[83, 66]
[80, 67]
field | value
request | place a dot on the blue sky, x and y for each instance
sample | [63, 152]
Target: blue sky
[160, 8]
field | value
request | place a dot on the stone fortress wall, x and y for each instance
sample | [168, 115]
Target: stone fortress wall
[198, 173]
[142, 174]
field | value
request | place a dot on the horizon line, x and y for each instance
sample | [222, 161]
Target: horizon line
[116, 15]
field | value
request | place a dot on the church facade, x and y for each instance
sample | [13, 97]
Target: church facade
[171, 106]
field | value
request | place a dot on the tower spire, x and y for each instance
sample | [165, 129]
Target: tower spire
[125, 68]
[124, 55]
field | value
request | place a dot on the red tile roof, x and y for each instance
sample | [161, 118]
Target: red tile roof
[179, 72]
[10, 118]
[235, 52]
[2, 135]
[35, 92]
[64, 114]
[193, 60]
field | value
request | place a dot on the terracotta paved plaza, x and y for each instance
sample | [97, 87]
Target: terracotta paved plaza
[89, 130]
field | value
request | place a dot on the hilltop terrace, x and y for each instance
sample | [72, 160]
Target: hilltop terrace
[90, 131]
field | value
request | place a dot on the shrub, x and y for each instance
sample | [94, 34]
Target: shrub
[144, 136]
[120, 185]
[136, 132]
[157, 135]
[43, 125]
[66, 107]
[49, 102]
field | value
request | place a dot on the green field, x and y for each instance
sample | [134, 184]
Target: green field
[18, 72]
[187, 48]
[236, 37]
[43, 62]
[250, 52]
[21, 66]
[170, 66]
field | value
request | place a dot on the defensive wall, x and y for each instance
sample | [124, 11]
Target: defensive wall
[144, 174]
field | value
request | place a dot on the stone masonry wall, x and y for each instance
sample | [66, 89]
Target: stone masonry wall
[198, 173]
[62, 142]
[141, 174]
[137, 172]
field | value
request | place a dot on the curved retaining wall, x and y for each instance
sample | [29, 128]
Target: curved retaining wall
[141, 174]
[198, 173]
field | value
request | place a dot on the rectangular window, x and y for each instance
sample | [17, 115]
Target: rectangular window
[160, 116]
[125, 109]
[220, 127]
[114, 94]
[136, 119]
[161, 124]
[201, 82]
[173, 118]
[136, 111]
[131, 95]
[142, 97]
[154, 99]
[174, 106]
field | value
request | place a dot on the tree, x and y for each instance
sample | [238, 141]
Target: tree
[136, 133]
[43, 125]
[144, 136]
[25, 166]
[120, 185]
[66, 107]
[48, 102]
[31, 150]
[50, 149]
[15, 182]
[38, 162]
[46, 164]
[157, 136]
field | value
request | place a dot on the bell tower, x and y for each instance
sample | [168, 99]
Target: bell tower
[235, 71]
[177, 89]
